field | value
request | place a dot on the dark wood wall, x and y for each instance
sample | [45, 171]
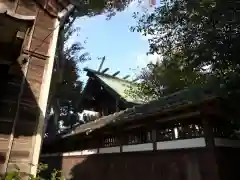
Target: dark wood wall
[228, 160]
[19, 126]
[191, 164]
[204, 162]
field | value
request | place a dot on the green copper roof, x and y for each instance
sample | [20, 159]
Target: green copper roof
[120, 86]
[117, 85]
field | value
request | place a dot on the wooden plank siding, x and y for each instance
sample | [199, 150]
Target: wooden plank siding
[151, 148]
[16, 148]
[186, 164]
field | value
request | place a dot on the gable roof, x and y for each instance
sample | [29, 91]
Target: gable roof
[115, 85]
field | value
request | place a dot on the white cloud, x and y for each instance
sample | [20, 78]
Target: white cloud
[140, 6]
[139, 3]
[146, 38]
[143, 60]
[133, 4]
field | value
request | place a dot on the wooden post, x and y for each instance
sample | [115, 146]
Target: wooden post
[99, 141]
[43, 99]
[117, 105]
[208, 133]
[154, 139]
[210, 146]
[120, 139]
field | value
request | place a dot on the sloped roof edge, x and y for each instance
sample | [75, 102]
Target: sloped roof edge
[180, 98]
[107, 75]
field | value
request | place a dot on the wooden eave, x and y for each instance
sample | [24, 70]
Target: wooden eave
[130, 118]
[147, 120]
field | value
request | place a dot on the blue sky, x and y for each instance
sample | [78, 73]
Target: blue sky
[125, 51]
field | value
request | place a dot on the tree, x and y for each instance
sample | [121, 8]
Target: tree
[64, 94]
[65, 88]
[207, 32]
[166, 77]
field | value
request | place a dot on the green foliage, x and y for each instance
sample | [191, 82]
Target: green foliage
[169, 76]
[17, 175]
[140, 91]
[94, 7]
[65, 94]
[206, 32]
[66, 87]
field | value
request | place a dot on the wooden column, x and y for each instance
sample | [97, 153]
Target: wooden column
[154, 139]
[117, 105]
[99, 138]
[208, 133]
[39, 46]
[120, 139]
[210, 146]
[53, 24]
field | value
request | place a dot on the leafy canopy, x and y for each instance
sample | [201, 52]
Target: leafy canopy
[206, 32]
[166, 77]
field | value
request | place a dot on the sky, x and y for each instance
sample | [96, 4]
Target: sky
[125, 51]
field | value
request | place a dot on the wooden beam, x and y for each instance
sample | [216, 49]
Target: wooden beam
[127, 76]
[117, 105]
[100, 67]
[165, 119]
[20, 34]
[135, 80]
[116, 73]
[105, 70]
[181, 116]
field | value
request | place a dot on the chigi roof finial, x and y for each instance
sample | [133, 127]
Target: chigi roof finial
[103, 59]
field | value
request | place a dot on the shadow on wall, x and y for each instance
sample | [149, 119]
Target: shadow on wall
[19, 109]
[53, 163]
[188, 164]
[2, 160]
[127, 166]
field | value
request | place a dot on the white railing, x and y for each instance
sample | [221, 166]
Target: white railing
[177, 144]
[165, 145]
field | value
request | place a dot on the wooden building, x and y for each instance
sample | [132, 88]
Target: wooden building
[107, 94]
[184, 136]
[28, 36]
